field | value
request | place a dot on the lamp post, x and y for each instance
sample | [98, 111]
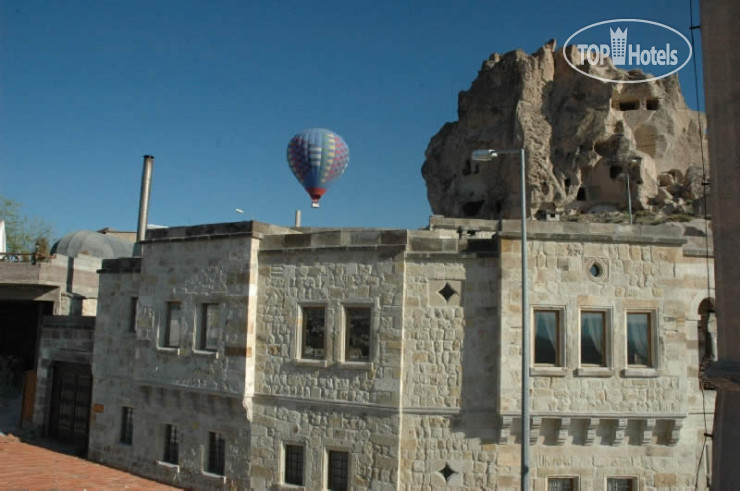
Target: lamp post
[487, 156]
[625, 176]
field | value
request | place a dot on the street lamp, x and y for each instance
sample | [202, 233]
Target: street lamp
[487, 156]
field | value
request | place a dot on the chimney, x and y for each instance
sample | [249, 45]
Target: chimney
[146, 185]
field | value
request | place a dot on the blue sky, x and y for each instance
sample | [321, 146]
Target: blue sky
[216, 89]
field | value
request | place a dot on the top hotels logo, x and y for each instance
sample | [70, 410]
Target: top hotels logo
[656, 48]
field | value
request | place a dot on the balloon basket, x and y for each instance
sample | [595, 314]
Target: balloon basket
[314, 204]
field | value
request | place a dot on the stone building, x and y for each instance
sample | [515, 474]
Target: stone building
[47, 316]
[254, 356]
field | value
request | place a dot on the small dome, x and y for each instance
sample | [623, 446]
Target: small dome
[93, 244]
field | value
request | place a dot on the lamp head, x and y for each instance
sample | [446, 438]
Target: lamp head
[483, 155]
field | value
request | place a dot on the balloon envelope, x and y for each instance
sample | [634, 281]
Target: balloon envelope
[317, 157]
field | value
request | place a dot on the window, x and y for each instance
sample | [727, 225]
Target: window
[171, 445]
[338, 475]
[561, 484]
[171, 331]
[293, 465]
[593, 338]
[210, 329]
[216, 453]
[358, 334]
[639, 339]
[132, 314]
[620, 484]
[127, 425]
[312, 342]
[547, 337]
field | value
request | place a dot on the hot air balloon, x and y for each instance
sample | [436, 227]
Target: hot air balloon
[317, 157]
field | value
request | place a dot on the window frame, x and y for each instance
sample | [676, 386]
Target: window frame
[634, 482]
[328, 466]
[284, 462]
[203, 327]
[606, 315]
[573, 479]
[345, 337]
[126, 435]
[301, 334]
[560, 352]
[210, 467]
[166, 331]
[651, 337]
[133, 310]
[171, 446]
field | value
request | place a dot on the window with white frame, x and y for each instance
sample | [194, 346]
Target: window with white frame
[593, 338]
[547, 332]
[293, 464]
[621, 484]
[640, 339]
[209, 327]
[357, 334]
[562, 484]
[338, 471]
[170, 334]
[313, 333]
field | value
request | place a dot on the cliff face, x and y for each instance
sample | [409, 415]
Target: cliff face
[580, 135]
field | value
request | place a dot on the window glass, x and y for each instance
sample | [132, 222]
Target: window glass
[210, 330]
[313, 346]
[358, 334]
[171, 337]
[546, 337]
[216, 453]
[127, 425]
[171, 444]
[293, 465]
[620, 484]
[561, 484]
[593, 338]
[338, 471]
[132, 314]
[639, 339]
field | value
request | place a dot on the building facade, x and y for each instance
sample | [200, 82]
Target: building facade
[253, 356]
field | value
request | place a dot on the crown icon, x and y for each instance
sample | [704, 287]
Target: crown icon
[619, 45]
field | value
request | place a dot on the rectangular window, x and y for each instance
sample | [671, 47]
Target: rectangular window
[561, 484]
[171, 331]
[338, 475]
[132, 314]
[639, 339]
[620, 484]
[216, 453]
[294, 465]
[593, 338]
[171, 445]
[547, 337]
[210, 330]
[358, 334]
[312, 343]
[127, 425]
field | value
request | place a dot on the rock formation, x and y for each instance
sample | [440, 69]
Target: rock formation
[580, 135]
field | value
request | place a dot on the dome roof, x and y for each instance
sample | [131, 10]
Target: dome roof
[92, 244]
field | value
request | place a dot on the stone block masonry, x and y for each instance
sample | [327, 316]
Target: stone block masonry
[425, 393]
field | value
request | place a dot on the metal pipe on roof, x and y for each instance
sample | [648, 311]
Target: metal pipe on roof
[146, 187]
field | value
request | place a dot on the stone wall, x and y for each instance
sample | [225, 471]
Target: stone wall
[63, 339]
[437, 402]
